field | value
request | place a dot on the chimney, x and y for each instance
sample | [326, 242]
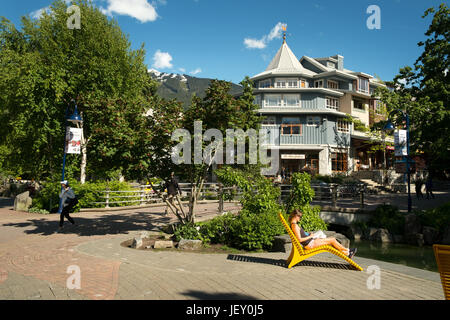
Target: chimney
[340, 64]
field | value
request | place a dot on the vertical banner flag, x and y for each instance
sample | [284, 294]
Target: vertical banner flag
[73, 140]
[400, 143]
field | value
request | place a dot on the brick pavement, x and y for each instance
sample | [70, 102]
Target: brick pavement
[34, 261]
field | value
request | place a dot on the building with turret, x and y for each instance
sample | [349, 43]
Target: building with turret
[306, 103]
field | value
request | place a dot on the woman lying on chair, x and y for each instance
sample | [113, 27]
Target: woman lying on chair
[308, 241]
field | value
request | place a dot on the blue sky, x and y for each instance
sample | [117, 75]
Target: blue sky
[207, 38]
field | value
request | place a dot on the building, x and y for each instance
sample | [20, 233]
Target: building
[306, 103]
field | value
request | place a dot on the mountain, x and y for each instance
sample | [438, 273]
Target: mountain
[181, 86]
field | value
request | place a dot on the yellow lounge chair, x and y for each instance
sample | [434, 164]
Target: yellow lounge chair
[442, 255]
[299, 254]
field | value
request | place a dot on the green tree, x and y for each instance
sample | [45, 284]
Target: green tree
[45, 65]
[423, 92]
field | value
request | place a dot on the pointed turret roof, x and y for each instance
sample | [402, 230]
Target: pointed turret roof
[285, 63]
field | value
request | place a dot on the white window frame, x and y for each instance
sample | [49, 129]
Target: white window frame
[313, 121]
[335, 84]
[343, 126]
[303, 81]
[360, 81]
[285, 100]
[316, 82]
[378, 107]
[267, 83]
[279, 103]
[257, 100]
[332, 103]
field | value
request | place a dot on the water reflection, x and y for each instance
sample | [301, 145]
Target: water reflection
[412, 256]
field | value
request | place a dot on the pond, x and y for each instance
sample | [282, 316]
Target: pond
[411, 256]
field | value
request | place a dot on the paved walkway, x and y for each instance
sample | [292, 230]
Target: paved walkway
[34, 261]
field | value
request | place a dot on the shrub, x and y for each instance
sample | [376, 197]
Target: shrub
[438, 218]
[311, 221]
[188, 231]
[217, 230]
[387, 217]
[36, 210]
[255, 231]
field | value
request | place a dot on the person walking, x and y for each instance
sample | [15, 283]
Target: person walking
[69, 201]
[173, 189]
[419, 184]
[429, 187]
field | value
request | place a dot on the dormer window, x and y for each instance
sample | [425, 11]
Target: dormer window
[286, 83]
[318, 84]
[331, 65]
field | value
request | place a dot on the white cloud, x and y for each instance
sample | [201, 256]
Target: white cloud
[138, 9]
[38, 13]
[162, 60]
[254, 43]
[275, 33]
[196, 71]
[182, 70]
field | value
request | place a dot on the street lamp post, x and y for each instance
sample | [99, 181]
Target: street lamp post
[75, 118]
[389, 127]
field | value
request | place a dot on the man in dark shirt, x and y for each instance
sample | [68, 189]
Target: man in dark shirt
[172, 190]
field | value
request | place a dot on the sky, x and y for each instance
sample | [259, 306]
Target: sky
[231, 39]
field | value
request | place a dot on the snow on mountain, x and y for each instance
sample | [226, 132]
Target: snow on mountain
[163, 76]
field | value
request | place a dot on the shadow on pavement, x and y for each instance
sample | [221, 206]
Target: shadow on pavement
[217, 296]
[6, 203]
[103, 225]
[282, 262]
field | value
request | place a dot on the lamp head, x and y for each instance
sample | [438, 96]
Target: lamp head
[389, 126]
[75, 117]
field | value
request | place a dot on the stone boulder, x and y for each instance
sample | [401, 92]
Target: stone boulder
[163, 244]
[355, 233]
[430, 235]
[381, 235]
[412, 224]
[186, 244]
[140, 242]
[23, 202]
[282, 243]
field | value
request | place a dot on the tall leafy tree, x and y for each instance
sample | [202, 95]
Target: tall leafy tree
[45, 65]
[424, 92]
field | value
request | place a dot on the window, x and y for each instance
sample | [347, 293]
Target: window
[286, 83]
[271, 120]
[379, 107]
[318, 84]
[313, 121]
[363, 85]
[272, 100]
[332, 84]
[359, 105]
[332, 103]
[265, 83]
[339, 162]
[290, 126]
[257, 100]
[291, 100]
[343, 126]
[331, 65]
[303, 83]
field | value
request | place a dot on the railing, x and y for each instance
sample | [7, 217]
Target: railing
[144, 194]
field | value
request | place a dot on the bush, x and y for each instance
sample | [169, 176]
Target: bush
[387, 217]
[438, 218]
[36, 210]
[255, 231]
[188, 231]
[311, 221]
[217, 230]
